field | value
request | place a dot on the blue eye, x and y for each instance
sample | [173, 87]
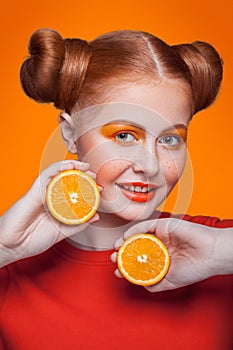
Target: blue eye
[170, 140]
[125, 137]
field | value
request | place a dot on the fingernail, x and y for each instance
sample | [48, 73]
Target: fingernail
[100, 185]
[113, 257]
[95, 218]
[118, 243]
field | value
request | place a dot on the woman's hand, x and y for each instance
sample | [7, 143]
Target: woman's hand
[27, 228]
[197, 252]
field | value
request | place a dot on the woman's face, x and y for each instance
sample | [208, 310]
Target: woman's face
[136, 145]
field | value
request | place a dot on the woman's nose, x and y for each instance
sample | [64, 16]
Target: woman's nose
[146, 160]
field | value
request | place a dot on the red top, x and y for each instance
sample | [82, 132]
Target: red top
[67, 298]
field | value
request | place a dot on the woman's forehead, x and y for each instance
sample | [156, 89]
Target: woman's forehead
[124, 113]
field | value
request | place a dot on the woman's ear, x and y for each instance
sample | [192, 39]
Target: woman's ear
[68, 131]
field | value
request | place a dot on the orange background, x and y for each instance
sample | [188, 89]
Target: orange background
[27, 126]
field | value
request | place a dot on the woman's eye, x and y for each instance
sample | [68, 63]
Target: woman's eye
[125, 137]
[170, 140]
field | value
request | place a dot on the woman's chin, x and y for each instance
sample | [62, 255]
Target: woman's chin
[129, 215]
[135, 216]
[122, 208]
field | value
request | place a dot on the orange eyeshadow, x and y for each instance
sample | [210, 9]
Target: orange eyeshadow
[180, 131]
[111, 130]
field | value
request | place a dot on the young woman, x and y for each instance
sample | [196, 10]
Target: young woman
[127, 100]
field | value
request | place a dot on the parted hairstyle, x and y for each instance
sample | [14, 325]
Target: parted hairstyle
[73, 71]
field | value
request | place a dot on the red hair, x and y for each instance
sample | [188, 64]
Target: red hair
[70, 71]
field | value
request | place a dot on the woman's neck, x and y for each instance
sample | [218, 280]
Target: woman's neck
[101, 235]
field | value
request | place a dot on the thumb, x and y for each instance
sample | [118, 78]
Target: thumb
[67, 231]
[141, 227]
[165, 227]
[161, 286]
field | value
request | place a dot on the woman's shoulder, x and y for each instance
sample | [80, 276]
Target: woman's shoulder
[212, 221]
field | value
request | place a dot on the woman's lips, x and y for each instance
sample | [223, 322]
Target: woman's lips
[138, 191]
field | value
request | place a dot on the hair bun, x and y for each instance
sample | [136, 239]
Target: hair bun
[56, 68]
[39, 73]
[206, 68]
[73, 73]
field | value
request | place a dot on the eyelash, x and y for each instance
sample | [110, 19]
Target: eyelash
[127, 133]
[177, 139]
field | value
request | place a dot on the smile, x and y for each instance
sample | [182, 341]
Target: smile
[137, 191]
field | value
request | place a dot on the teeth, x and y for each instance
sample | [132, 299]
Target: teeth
[139, 189]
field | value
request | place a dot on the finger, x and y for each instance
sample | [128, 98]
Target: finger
[100, 187]
[162, 286]
[168, 227]
[118, 274]
[118, 243]
[91, 174]
[75, 164]
[47, 174]
[67, 231]
[141, 227]
[113, 257]
[55, 168]
[95, 218]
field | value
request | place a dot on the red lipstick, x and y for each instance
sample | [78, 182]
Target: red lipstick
[138, 191]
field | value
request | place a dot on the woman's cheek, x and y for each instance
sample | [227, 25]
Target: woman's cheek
[109, 172]
[172, 167]
[93, 152]
[108, 175]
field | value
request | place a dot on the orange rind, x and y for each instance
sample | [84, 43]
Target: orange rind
[143, 259]
[72, 197]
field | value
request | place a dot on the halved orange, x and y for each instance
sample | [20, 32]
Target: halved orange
[143, 259]
[72, 197]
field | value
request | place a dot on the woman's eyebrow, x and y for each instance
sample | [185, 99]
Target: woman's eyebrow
[176, 127]
[126, 123]
[180, 129]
